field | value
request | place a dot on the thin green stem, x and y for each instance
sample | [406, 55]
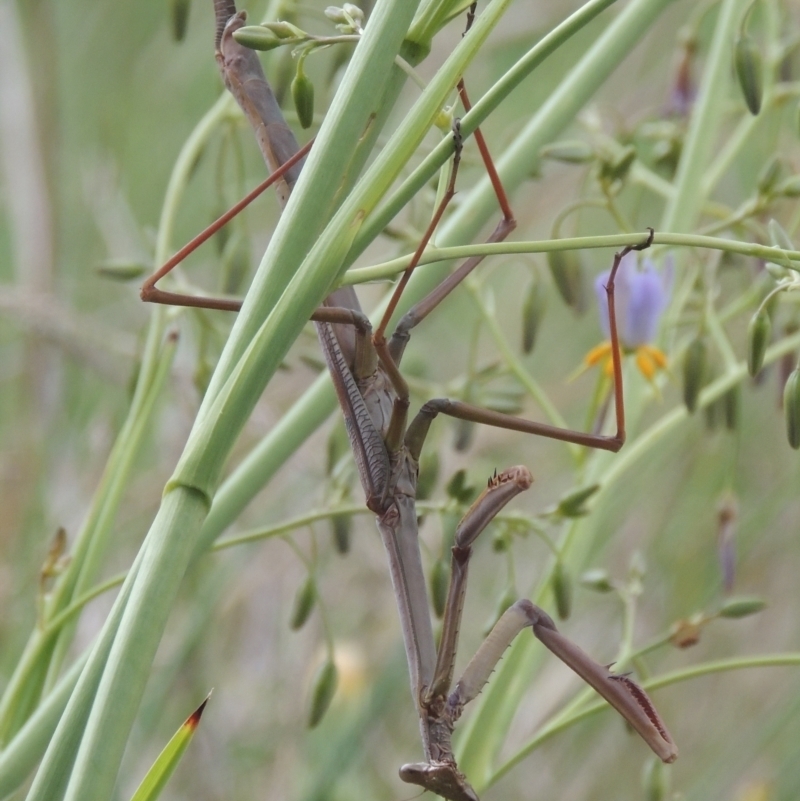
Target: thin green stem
[432, 255]
[562, 722]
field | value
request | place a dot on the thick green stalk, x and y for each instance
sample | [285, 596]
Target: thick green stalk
[319, 401]
[29, 743]
[214, 434]
[41, 662]
[172, 539]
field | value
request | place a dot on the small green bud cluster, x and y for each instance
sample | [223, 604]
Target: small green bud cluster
[348, 19]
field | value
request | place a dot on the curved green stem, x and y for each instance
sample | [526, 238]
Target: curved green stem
[562, 722]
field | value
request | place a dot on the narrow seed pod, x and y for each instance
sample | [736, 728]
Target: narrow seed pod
[573, 504]
[428, 474]
[341, 527]
[440, 582]
[741, 607]
[572, 151]
[322, 691]
[778, 236]
[732, 402]
[750, 72]
[694, 368]
[597, 579]
[533, 309]
[506, 401]
[122, 269]
[791, 407]
[179, 15]
[568, 274]
[337, 446]
[465, 434]
[759, 331]
[769, 175]
[562, 590]
[304, 600]
[303, 97]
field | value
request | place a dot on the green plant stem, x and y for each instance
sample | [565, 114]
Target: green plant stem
[170, 543]
[19, 758]
[433, 255]
[562, 722]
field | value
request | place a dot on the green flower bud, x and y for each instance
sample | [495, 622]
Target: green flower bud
[750, 72]
[759, 331]
[303, 97]
[342, 527]
[122, 269]
[789, 187]
[769, 175]
[508, 401]
[285, 30]
[572, 151]
[694, 368]
[179, 15]
[562, 590]
[335, 14]
[568, 274]
[791, 407]
[354, 12]
[617, 168]
[597, 579]
[573, 504]
[741, 607]
[458, 489]
[532, 313]
[322, 691]
[257, 37]
[304, 600]
[440, 583]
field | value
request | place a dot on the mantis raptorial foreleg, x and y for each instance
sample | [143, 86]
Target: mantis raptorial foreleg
[374, 399]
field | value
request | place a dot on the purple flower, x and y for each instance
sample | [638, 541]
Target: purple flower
[641, 297]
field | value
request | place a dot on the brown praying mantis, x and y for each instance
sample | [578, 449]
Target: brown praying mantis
[374, 398]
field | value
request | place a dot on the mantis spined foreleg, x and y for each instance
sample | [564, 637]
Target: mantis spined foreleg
[374, 399]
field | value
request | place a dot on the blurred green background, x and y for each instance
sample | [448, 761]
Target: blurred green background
[96, 102]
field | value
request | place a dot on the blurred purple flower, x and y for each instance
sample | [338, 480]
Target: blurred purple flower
[641, 297]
